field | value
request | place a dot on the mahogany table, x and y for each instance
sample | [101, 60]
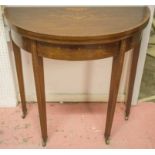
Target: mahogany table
[76, 34]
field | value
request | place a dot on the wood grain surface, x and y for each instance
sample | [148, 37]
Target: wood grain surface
[77, 23]
[77, 33]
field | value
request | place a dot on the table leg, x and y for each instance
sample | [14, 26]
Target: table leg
[40, 90]
[135, 56]
[18, 62]
[114, 87]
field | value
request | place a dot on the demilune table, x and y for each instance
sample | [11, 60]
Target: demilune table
[76, 34]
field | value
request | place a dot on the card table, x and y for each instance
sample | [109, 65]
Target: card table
[76, 34]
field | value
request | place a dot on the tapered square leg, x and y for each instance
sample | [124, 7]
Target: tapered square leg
[133, 68]
[40, 90]
[117, 66]
[18, 63]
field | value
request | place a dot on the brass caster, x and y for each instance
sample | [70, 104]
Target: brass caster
[24, 114]
[44, 142]
[126, 118]
[107, 141]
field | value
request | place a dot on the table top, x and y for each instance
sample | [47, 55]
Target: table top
[77, 23]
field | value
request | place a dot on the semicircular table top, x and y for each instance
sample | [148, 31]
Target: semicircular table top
[77, 22]
[76, 34]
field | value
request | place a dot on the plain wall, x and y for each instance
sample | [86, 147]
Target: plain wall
[74, 80]
[7, 87]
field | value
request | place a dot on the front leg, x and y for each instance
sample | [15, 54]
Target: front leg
[117, 66]
[40, 90]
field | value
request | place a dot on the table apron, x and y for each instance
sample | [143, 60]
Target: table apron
[74, 52]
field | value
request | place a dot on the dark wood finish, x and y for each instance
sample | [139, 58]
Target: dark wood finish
[114, 86]
[40, 89]
[77, 33]
[19, 70]
[135, 56]
[80, 24]
[76, 52]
